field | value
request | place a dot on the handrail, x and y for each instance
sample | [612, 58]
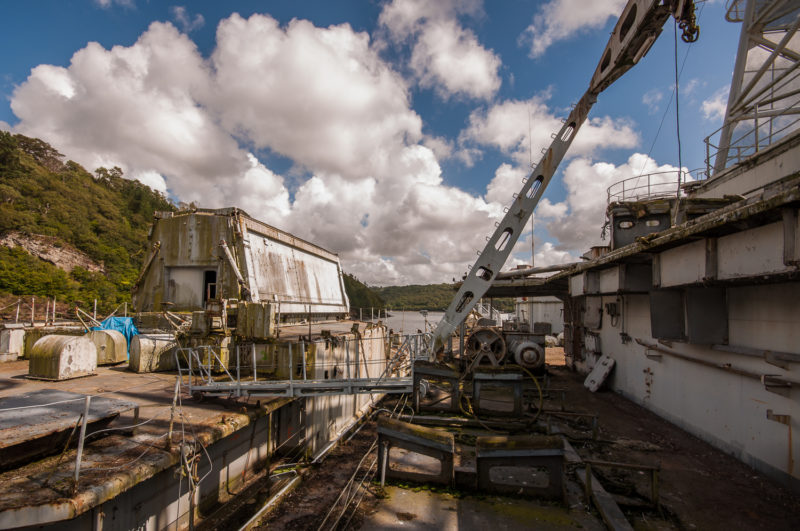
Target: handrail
[654, 185]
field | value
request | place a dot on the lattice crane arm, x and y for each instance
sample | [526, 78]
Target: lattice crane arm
[637, 29]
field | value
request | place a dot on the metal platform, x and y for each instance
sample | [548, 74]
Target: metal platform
[298, 388]
[203, 371]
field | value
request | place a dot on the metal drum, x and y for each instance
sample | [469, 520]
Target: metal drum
[486, 345]
[152, 353]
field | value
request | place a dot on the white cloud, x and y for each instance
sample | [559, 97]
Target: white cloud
[561, 19]
[505, 126]
[714, 107]
[153, 179]
[4, 126]
[105, 4]
[547, 255]
[185, 20]
[587, 183]
[138, 108]
[445, 55]
[549, 210]
[652, 98]
[320, 96]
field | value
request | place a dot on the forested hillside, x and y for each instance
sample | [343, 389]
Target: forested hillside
[418, 297]
[102, 215]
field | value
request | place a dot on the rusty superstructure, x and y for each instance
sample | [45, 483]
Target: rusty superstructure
[198, 255]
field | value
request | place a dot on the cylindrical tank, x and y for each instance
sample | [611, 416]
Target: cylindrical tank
[527, 353]
[152, 353]
[112, 347]
[57, 357]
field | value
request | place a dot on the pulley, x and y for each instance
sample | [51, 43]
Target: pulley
[527, 354]
[486, 345]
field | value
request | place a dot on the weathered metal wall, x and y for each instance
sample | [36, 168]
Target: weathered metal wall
[187, 252]
[301, 278]
[541, 310]
[728, 408]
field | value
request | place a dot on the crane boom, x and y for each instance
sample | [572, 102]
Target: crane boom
[637, 29]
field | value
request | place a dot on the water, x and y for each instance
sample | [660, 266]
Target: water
[409, 321]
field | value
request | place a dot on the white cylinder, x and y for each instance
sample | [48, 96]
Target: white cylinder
[59, 357]
[112, 347]
[152, 353]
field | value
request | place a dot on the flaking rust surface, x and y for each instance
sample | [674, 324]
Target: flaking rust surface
[108, 463]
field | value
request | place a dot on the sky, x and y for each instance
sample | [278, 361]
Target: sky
[392, 132]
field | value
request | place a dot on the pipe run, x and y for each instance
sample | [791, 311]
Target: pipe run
[533, 270]
[722, 366]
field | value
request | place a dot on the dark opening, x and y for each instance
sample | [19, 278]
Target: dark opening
[627, 23]
[209, 285]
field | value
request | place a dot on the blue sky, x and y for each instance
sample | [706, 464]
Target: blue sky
[389, 132]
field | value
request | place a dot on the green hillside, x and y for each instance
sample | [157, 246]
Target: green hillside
[361, 296]
[104, 216]
[417, 297]
[428, 297]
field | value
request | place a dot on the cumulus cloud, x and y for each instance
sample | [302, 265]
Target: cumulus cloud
[320, 96]
[105, 4]
[323, 97]
[445, 56]
[4, 126]
[652, 98]
[505, 126]
[185, 20]
[578, 219]
[137, 107]
[714, 107]
[561, 19]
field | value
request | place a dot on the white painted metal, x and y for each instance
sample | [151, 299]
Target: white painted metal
[599, 374]
[719, 406]
[682, 265]
[295, 277]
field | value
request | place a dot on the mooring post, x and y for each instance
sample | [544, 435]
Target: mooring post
[33, 311]
[80, 442]
[19, 303]
[95, 310]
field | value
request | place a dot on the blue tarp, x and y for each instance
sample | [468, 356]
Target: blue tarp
[124, 325]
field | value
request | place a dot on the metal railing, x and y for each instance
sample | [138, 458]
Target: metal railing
[489, 312]
[766, 126]
[655, 185]
[291, 369]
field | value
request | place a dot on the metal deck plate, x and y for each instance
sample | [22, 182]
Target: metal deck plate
[38, 423]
